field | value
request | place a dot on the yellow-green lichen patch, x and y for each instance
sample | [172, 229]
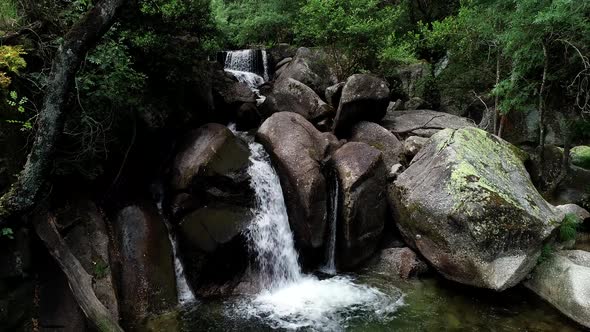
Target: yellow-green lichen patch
[581, 156]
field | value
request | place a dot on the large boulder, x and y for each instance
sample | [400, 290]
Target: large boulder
[145, 264]
[289, 95]
[211, 150]
[466, 202]
[564, 281]
[214, 248]
[229, 95]
[381, 139]
[362, 206]
[333, 94]
[413, 145]
[298, 150]
[580, 156]
[311, 67]
[364, 97]
[423, 123]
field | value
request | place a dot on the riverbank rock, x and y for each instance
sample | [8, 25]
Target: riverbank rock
[364, 97]
[467, 204]
[289, 95]
[311, 67]
[381, 139]
[362, 202]
[297, 150]
[399, 262]
[423, 123]
[247, 117]
[564, 281]
[145, 264]
[211, 150]
[229, 95]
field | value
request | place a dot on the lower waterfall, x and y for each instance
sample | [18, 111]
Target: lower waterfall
[288, 298]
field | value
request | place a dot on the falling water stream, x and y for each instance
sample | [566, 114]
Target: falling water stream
[330, 267]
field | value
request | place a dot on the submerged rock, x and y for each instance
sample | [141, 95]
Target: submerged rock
[399, 262]
[364, 97]
[311, 67]
[381, 139]
[298, 149]
[362, 202]
[564, 281]
[146, 269]
[422, 122]
[211, 150]
[289, 95]
[467, 204]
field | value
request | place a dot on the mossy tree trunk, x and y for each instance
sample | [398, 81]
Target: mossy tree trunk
[25, 193]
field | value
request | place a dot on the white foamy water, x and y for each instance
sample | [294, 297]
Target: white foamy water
[288, 298]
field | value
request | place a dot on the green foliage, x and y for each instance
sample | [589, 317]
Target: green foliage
[101, 269]
[9, 16]
[546, 252]
[249, 22]
[7, 232]
[568, 229]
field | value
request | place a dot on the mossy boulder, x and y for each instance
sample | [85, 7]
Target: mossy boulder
[466, 202]
[362, 207]
[581, 156]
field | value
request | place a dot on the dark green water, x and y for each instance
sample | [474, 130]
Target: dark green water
[431, 304]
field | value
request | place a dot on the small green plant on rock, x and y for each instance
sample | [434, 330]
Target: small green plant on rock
[569, 227]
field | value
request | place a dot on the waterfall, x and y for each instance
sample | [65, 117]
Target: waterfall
[330, 267]
[289, 299]
[251, 61]
[269, 233]
[184, 293]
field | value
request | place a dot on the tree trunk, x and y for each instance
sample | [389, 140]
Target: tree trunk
[25, 193]
[542, 106]
[79, 280]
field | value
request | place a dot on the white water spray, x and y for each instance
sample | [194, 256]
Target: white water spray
[289, 299]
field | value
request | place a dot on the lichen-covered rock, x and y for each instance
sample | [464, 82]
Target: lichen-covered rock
[311, 67]
[145, 264]
[211, 150]
[289, 95]
[581, 156]
[297, 150]
[362, 204]
[423, 123]
[564, 281]
[400, 263]
[381, 139]
[467, 204]
[364, 97]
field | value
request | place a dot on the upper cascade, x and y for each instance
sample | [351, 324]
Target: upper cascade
[250, 60]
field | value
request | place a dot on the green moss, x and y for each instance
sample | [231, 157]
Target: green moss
[569, 227]
[580, 156]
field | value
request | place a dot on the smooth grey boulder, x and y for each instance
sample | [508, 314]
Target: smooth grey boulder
[423, 123]
[564, 281]
[399, 262]
[311, 67]
[413, 145]
[211, 150]
[283, 62]
[147, 280]
[362, 207]
[290, 95]
[333, 94]
[466, 202]
[381, 139]
[364, 97]
[297, 150]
